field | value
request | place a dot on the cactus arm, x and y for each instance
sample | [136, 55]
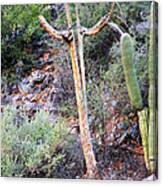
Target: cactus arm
[127, 58]
[152, 92]
[143, 125]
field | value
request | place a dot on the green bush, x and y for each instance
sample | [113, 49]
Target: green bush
[115, 81]
[30, 147]
[20, 30]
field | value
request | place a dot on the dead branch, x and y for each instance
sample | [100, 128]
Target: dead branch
[115, 27]
[60, 35]
[99, 25]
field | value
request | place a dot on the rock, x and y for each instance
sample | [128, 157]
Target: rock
[36, 90]
[37, 76]
[134, 131]
[25, 81]
[122, 131]
[122, 126]
[30, 106]
[41, 89]
[24, 88]
[114, 103]
[6, 99]
[143, 27]
[16, 98]
[39, 64]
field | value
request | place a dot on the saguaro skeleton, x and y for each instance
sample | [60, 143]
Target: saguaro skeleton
[76, 49]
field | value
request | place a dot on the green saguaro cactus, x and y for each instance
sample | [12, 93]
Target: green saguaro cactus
[152, 138]
[147, 117]
[127, 58]
[143, 125]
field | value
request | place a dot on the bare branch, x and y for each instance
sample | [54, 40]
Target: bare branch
[60, 35]
[99, 25]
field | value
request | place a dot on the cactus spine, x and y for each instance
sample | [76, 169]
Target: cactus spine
[127, 58]
[152, 93]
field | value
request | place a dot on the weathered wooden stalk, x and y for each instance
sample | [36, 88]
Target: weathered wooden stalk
[80, 89]
[81, 56]
[79, 78]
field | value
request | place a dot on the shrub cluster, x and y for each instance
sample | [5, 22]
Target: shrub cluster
[31, 145]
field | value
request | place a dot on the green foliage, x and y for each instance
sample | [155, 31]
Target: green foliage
[114, 79]
[127, 57]
[95, 101]
[19, 23]
[68, 108]
[96, 106]
[25, 147]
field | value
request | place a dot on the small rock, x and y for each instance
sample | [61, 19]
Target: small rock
[122, 126]
[25, 81]
[39, 64]
[24, 88]
[143, 27]
[37, 76]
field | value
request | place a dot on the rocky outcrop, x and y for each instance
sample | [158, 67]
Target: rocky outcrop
[41, 89]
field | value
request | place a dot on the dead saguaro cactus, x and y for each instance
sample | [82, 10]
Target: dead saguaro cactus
[127, 58]
[81, 104]
[77, 60]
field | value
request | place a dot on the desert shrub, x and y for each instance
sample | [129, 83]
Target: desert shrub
[114, 80]
[30, 147]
